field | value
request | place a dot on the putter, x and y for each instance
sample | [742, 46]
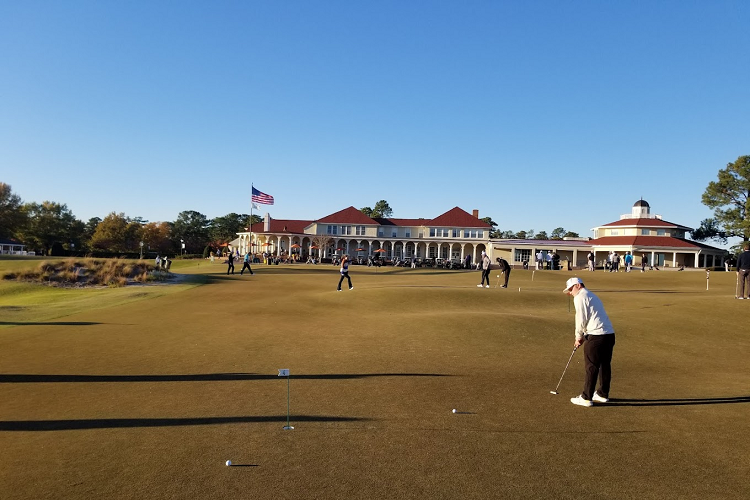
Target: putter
[563, 374]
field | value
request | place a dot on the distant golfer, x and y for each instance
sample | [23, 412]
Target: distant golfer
[345, 273]
[594, 330]
[246, 264]
[743, 272]
[485, 263]
[230, 263]
[504, 267]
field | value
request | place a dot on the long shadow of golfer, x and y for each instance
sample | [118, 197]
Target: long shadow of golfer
[123, 423]
[50, 323]
[677, 402]
[15, 378]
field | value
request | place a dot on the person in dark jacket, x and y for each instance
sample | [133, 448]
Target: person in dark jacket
[504, 267]
[743, 272]
[230, 263]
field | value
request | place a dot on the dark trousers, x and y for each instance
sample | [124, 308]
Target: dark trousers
[485, 276]
[744, 280]
[597, 352]
[507, 276]
[345, 275]
[246, 265]
[230, 267]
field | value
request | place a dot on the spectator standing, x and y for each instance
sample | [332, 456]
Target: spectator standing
[594, 331]
[743, 272]
[539, 260]
[590, 259]
[345, 273]
[628, 261]
[485, 263]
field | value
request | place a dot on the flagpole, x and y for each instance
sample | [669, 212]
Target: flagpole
[251, 220]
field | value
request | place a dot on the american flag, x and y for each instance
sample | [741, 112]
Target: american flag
[262, 198]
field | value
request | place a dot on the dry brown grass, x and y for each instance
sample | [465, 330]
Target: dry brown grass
[90, 272]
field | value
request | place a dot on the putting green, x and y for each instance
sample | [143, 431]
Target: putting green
[148, 397]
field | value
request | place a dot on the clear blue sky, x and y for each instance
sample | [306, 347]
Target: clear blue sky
[539, 114]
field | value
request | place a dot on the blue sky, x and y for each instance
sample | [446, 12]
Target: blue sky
[539, 114]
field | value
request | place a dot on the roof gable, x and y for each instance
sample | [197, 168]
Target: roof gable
[348, 216]
[456, 217]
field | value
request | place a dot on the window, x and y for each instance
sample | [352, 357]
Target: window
[661, 232]
[346, 230]
[614, 232]
[466, 233]
[432, 232]
[645, 232]
[332, 229]
[360, 230]
[455, 233]
[394, 233]
[522, 255]
[408, 233]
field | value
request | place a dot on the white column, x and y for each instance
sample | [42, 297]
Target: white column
[575, 257]
[696, 259]
[674, 259]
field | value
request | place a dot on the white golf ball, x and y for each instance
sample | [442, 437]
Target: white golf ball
[454, 410]
[229, 462]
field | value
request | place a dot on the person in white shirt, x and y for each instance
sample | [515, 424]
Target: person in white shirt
[540, 260]
[594, 331]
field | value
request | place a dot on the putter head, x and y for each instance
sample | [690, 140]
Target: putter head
[553, 392]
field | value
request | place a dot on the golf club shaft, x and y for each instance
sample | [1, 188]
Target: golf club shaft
[566, 368]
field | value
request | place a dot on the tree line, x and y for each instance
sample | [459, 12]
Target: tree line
[50, 228]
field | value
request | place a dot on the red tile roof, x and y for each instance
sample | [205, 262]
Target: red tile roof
[401, 222]
[645, 222]
[456, 217]
[647, 241]
[283, 226]
[347, 216]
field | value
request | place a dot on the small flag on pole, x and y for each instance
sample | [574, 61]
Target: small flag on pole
[262, 198]
[283, 372]
[255, 207]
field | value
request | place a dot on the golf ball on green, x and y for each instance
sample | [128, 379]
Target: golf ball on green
[229, 462]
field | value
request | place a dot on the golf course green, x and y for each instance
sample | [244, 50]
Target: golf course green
[145, 391]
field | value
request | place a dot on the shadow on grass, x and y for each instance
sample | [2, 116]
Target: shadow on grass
[124, 423]
[14, 378]
[43, 323]
[677, 402]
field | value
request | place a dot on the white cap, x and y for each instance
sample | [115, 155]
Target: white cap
[483, 252]
[571, 282]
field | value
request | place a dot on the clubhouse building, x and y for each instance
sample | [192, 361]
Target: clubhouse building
[457, 234]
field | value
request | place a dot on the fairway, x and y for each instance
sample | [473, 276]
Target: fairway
[147, 396]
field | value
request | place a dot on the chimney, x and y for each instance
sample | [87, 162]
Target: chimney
[475, 213]
[267, 223]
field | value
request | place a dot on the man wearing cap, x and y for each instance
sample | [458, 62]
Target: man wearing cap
[594, 330]
[485, 263]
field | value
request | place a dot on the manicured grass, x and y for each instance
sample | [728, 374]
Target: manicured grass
[149, 398]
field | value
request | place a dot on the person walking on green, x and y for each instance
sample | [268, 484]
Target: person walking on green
[345, 273]
[246, 264]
